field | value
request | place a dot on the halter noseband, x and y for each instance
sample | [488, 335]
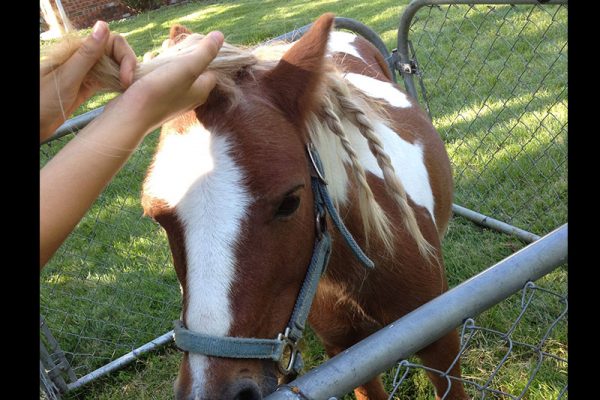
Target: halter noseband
[286, 343]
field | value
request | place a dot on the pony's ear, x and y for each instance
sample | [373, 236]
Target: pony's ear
[293, 84]
[177, 33]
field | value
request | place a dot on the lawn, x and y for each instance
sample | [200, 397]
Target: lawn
[496, 84]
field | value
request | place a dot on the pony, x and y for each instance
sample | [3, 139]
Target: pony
[233, 185]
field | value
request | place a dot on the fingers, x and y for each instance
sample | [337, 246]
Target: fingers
[202, 87]
[85, 93]
[207, 50]
[82, 61]
[123, 54]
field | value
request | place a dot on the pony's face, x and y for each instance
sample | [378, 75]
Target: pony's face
[232, 189]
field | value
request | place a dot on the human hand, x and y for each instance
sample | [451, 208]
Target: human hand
[65, 88]
[173, 88]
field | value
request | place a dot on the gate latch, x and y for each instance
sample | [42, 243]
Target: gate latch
[409, 67]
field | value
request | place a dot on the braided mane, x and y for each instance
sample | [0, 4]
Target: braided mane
[340, 102]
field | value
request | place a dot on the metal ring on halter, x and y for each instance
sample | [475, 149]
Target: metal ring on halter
[293, 349]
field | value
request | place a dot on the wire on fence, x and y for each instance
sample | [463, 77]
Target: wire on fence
[494, 375]
[48, 390]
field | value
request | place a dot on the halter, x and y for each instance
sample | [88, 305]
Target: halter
[284, 348]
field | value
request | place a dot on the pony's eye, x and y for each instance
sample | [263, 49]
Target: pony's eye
[288, 206]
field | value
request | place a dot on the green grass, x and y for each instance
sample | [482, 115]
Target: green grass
[111, 287]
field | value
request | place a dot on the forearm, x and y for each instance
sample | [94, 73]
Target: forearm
[74, 178]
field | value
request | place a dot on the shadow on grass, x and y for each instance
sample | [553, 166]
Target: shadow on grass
[511, 162]
[245, 23]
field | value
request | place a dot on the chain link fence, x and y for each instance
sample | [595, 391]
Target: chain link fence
[111, 286]
[517, 349]
[508, 362]
[494, 80]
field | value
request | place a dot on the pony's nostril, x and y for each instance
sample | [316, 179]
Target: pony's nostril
[246, 389]
[248, 394]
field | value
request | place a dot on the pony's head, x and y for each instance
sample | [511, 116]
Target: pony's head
[231, 185]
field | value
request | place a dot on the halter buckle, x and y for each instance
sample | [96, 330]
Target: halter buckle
[288, 345]
[320, 224]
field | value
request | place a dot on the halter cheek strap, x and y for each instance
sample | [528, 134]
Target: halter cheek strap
[322, 199]
[283, 349]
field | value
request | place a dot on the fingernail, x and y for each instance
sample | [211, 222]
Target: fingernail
[217, 37]
[100, 30]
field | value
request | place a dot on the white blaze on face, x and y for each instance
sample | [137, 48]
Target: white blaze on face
[379, 89]
[341, 42]
[181, 161]
[196, 174]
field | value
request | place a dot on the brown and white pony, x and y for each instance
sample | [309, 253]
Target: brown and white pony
[231, 185]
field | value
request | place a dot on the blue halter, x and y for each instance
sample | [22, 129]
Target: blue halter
[283, 349]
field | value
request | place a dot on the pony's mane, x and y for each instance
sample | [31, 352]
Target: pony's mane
[340, 101]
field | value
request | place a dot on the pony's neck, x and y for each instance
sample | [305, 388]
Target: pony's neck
[351, 131]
